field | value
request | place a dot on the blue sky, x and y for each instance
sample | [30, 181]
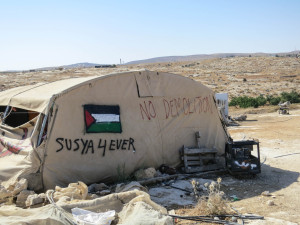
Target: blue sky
[51, 33]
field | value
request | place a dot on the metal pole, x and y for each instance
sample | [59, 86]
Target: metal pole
[42, 130]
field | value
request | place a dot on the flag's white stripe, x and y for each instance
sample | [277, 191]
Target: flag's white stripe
[100, 118]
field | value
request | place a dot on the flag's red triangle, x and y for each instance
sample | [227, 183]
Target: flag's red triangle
[89, 120]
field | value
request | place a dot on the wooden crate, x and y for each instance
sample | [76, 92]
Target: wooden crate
[199, 159]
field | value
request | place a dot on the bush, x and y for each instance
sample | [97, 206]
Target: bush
[246, 102]
[274, 100]
[293, 97]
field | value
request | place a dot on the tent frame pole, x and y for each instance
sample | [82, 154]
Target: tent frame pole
[5, 113]
[42, 130]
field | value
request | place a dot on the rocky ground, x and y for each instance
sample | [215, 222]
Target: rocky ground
[274, 193]
[238, 76]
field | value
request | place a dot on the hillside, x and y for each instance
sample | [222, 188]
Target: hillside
[210, 56]
[237, 76]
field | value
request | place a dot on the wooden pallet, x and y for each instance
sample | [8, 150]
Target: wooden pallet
[199, 159]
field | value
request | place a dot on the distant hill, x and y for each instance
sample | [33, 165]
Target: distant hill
[71, 66]
[168, 59]
[209, 56]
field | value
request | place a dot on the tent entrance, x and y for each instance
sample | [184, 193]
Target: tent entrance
[15, 117]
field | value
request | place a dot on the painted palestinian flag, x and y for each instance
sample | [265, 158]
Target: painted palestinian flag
[102, 119]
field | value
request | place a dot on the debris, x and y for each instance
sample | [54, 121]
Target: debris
[240, 118]
[234, 219]
[234, 198]
[35, 199]
[219, 219]
[168, 197]
[92, 196]
[167, 169]
[270, 203]
[172, 212]
[158, 174]
[145, 173]
[22, 197]
[104, 192]
[266, 193]
[77, 190]
[94, 188]
[4, 193]
[19, 186]
[134, 185]
[158, 179]
[86, 217]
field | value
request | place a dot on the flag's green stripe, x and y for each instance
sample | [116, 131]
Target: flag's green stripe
[105, 128]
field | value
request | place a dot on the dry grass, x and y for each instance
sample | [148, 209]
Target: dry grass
[214, 203]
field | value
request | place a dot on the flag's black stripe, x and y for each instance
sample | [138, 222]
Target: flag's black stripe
[103, 109]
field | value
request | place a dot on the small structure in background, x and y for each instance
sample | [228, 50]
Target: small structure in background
[284, 108]
[222, 102]
[106, 66]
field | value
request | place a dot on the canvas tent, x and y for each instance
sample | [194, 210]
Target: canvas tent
[91, 129]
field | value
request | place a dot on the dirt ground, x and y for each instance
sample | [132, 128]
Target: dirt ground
[279, 137]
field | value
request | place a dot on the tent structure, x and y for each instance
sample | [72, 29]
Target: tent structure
[95, 129]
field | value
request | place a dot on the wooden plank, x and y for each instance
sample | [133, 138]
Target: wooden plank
[196, 157]
[202, 168]
[199, 162]
[203, 158]
[193, 163]
[198, 151]
[185, 162]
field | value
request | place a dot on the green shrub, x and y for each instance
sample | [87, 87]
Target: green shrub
[274, 100]
[246, 102]
[261, 100]
[293, 97]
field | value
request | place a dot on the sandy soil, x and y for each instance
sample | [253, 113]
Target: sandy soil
[279, 137]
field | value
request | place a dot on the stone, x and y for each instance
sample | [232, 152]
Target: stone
[266, 193]
[150, 172]
[77, 190]
[234, 219]
[22, 197]
[104, 192]
[4, 193]
[34, 200]
[270, 203]
[92, 196]
[21, 185]
[134, 185]
[145, 174]
[97, 187]
[157, 174]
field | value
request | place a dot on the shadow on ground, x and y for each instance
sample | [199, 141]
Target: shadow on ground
[271, 179]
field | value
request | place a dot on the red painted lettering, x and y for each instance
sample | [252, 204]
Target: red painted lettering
[144, 110]
[167, 108]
